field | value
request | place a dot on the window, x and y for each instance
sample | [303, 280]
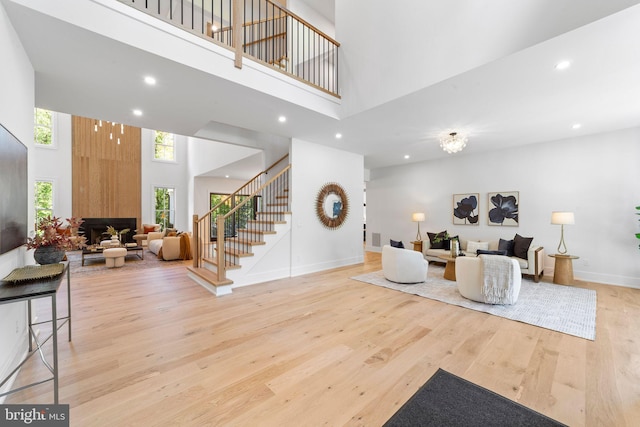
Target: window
[239, 220]
[165, 206]
[43, 129]
[44, 199]
[163, 148]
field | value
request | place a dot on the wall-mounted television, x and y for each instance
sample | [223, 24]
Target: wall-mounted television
[13, 192]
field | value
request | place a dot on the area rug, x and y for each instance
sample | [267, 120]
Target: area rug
[564, 309]
[94, 264]
[448, 400]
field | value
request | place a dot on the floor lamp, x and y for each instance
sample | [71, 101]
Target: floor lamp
[562, 218]
[418, 217]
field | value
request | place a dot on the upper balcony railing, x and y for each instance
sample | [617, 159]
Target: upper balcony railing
[267, 33]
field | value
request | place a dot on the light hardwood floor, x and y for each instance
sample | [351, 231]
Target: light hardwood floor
[151, 347]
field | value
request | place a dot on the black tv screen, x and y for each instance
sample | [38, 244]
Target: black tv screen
[13, 192]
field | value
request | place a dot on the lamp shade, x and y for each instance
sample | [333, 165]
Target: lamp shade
[562, 218]
[417, 217]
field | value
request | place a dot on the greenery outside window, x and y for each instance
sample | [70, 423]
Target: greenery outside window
[165, 206]
[164, 146]
[43, 127]
[239, 220]
[43, 200]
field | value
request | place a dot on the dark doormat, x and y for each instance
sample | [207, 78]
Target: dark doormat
[448, 400]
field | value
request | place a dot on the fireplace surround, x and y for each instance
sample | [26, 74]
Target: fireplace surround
[95, 227]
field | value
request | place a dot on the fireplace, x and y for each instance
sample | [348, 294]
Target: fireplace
[95, 227]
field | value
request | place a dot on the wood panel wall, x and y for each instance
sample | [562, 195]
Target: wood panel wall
[106, 175]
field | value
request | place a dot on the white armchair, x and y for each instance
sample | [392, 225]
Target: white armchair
[472, 278]
[403, 265]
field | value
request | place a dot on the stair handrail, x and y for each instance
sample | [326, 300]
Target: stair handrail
[198, 254]
[220, 225]
[248, 183]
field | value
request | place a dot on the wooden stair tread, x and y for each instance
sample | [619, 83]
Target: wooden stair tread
[237, 253]
[209, 276]
[246, 241]
[260, 221]
[248, 230]
[227, 264]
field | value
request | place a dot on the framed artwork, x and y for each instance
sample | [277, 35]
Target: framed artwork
[504, 208]
[465, 209]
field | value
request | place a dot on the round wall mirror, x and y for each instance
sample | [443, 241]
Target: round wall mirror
[332, 205]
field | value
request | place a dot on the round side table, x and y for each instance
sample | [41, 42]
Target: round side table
[450, 268]
[563, 270]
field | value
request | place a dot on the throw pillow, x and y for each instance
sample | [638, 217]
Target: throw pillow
[486, 252]
[506, 245]
[521, 246]
[447, 242]
[148, 229]
[440, 239]
[474, 246]
[396, 244]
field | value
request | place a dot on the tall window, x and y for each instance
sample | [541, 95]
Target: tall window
[164, 148]
[165, 206]
[44, 199]
[43, 130]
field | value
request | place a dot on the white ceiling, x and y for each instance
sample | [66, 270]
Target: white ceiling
[519, 99]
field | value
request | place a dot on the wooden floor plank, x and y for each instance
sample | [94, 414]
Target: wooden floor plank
[319, 349]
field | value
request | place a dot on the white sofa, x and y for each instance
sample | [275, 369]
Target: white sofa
[403, 265]
[533, 265]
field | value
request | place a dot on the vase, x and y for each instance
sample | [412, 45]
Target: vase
[48, 255]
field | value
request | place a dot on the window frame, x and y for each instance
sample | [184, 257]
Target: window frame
[167, 223]
[37, 209]
[164, 145]
[52, 129]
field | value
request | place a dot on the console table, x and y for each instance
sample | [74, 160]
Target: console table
[29, 290]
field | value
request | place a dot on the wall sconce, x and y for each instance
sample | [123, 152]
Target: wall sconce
[562, 218]
[418, 217]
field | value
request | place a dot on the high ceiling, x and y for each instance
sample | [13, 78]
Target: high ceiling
[518, 99]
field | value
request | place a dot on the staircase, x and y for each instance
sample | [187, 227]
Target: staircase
[236, 239]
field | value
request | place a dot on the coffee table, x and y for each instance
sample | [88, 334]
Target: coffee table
[450, 268]
[139, 251]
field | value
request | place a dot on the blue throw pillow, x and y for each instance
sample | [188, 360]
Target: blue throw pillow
[396, 244]
[506, 245]
[486, 252]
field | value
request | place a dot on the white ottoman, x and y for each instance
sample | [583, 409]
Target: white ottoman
[114, 257]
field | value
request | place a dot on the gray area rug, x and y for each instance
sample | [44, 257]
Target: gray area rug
[560, 308]
[448, 400]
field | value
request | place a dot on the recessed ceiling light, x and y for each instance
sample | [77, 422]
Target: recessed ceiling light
[576, 126]
[282, 119]
[151, 81]
[406, 156]
[226, 176]
[563, 65]
[338, 135]
[137, 112]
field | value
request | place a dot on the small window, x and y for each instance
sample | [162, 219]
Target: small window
[165, 206]
[43, 129]
[164, 148]
[44, 200]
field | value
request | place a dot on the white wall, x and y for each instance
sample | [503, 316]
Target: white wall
[595, 176]
[314, 247]
[17, 87]
[174, 174]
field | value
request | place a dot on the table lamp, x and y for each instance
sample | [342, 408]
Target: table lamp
[418, 217]
[562, 218]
